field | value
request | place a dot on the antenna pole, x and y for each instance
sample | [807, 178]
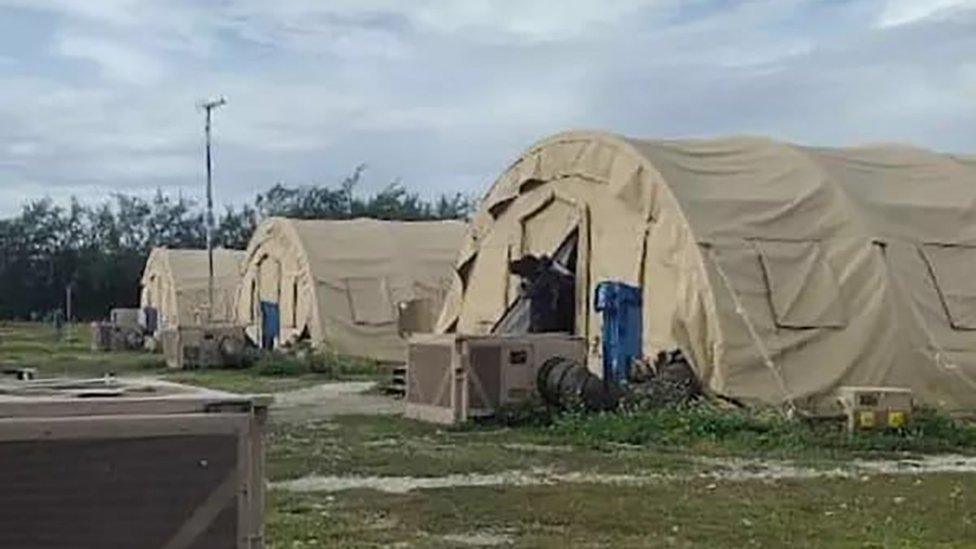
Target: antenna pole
[208, 106]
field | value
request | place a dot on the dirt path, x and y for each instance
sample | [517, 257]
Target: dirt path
[727, 470]
[333, 399]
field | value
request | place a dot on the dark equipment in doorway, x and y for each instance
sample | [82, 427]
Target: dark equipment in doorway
[547, 296]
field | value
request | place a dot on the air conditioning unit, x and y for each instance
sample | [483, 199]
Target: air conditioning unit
[209, 346]
[101, 336]
[453, 378]
[869, 408]
[125, 318]
[108, 336]
[111, 463]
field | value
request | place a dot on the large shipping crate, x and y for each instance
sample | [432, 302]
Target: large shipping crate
[106, 336]
[125, 318]
[207, 346]
[110, 464]
[453, 378]
[871, 408]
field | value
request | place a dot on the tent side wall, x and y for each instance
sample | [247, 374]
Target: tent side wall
[783, 271]
[347, 276]
[158, 288]
[277, 271]
[175, 283]
[630, 230]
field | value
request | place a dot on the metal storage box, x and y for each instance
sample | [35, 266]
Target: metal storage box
[101, 336]
[125, 318]
[869, 408]
[104, 463]
[211, 346]
[452, 378]
[106, 336]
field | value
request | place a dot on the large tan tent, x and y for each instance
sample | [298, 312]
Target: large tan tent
[338, 283]
[783, 271]
[176, 284]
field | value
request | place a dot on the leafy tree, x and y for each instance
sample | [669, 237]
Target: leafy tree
[100, 250]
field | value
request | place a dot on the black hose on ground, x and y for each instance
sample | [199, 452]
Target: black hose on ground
[566, 384]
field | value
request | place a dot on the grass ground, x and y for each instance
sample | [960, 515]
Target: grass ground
[935, 511]
[69, 354]
[680, 509]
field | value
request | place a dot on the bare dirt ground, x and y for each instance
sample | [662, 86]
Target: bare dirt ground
[333, 399]
[724, 469]
[328, 400]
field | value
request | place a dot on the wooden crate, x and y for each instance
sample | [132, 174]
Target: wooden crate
[104, 463]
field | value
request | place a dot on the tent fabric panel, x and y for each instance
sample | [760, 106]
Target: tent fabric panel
[350, 275]
[546, 227]
[269, 279]
[369, 301]
[176, 282]
[935, 354]
[802, 286]
[859, 306]
[953, 269]
[340, 333]
[490, 296]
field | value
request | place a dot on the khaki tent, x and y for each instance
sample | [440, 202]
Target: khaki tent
[175, 282]
[338, 282]
[784, 271]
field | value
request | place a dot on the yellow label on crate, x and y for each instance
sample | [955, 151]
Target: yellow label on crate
[896, 419]
[866, 420]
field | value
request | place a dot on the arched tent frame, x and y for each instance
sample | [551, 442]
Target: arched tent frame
[299, 313]
[783, 271]
[339, 282]
[175, 282]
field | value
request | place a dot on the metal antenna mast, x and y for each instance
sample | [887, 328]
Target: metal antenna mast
[208, 106]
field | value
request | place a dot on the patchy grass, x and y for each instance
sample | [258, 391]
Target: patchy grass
[704, 429]
[35, 345]
[936, 511]
[322, 363]
[932, 510]
[394, 446]
[68, 354]
[683, 510]
[242, 381]
[276, 372]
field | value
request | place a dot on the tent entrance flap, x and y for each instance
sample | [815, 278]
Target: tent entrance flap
[270, 324]
[547, 297]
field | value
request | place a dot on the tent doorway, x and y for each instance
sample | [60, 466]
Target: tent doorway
[270, 324]
[547, 294]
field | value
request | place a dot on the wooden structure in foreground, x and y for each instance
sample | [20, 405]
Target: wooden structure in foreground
[107, 463]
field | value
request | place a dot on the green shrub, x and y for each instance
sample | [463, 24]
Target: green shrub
[280, 365]
[307, 361]
[704, 426]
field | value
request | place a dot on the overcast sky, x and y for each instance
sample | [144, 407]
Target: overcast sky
[97, 96]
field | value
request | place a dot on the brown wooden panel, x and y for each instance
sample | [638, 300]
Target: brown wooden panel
[427, 372]
[107, 493]
[485, 379]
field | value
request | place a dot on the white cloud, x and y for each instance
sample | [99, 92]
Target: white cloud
[113, 11]
[347, 27]
[903, 12]
[445, 94]
[536, 20]
[116, 61]
[21, 149]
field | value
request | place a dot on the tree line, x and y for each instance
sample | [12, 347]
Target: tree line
[99, 250]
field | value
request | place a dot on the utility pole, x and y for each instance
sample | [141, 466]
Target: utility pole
[68, 305]
[208, 106]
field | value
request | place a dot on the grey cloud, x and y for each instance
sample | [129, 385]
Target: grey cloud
[446, 99]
